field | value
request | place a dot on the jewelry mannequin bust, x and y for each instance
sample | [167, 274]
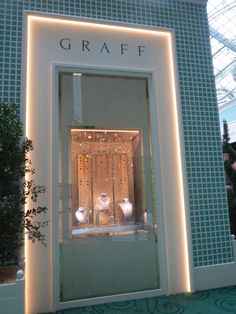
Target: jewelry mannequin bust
[126, 207]
[103, 202]
[81, 215]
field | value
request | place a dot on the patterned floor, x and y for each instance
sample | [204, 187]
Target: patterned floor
[214, 301]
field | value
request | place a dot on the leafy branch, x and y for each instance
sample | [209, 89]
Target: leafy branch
[15, 189]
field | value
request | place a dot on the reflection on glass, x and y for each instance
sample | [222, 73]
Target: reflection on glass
[108, 225]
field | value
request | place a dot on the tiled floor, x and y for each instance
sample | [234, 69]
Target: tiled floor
[214, 301]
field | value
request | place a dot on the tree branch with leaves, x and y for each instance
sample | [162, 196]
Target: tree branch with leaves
[16, 190]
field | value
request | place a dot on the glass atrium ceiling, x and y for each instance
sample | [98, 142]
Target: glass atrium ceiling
[222, 22]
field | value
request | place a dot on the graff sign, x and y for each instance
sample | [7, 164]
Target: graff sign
[87, 46]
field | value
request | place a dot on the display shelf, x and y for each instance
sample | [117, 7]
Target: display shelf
[106, 229]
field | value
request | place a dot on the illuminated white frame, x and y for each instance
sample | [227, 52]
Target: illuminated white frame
[30, 19]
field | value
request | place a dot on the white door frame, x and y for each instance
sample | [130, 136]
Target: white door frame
[161, 262]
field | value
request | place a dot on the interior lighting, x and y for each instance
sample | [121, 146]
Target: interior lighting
[180, 170]
[63, 20]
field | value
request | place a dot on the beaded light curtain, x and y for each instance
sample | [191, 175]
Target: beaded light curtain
[104, 162]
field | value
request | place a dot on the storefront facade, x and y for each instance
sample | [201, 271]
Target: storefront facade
[117, 98]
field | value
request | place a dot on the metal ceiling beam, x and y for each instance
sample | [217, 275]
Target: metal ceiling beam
[223, 72]
[222, 39]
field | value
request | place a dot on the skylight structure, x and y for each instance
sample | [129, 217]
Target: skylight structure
[222, 23]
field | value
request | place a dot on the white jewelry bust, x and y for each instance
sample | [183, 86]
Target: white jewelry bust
[103, 202]
[126, 207]
[81, 215]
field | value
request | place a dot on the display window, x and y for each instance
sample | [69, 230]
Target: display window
[107, 184]
[108, 220]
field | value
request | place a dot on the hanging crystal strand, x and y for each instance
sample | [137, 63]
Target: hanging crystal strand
[91, 209]
[113, 189]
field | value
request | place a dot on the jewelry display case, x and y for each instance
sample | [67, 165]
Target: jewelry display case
[106, 174]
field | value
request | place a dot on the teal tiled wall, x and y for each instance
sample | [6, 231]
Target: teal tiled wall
[206, 183]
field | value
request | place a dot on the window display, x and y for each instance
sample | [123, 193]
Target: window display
[106, 172]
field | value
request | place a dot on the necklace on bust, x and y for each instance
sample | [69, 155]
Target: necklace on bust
[126, 207]
[80, 215]
[103, 201]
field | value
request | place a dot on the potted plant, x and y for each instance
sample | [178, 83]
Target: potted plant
[17, 186]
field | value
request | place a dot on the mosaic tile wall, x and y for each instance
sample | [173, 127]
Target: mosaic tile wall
[208, 206]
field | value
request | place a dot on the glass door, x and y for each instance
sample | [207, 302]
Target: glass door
[108, 222]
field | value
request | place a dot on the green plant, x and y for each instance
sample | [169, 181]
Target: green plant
[16, 189]
[230, 173]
